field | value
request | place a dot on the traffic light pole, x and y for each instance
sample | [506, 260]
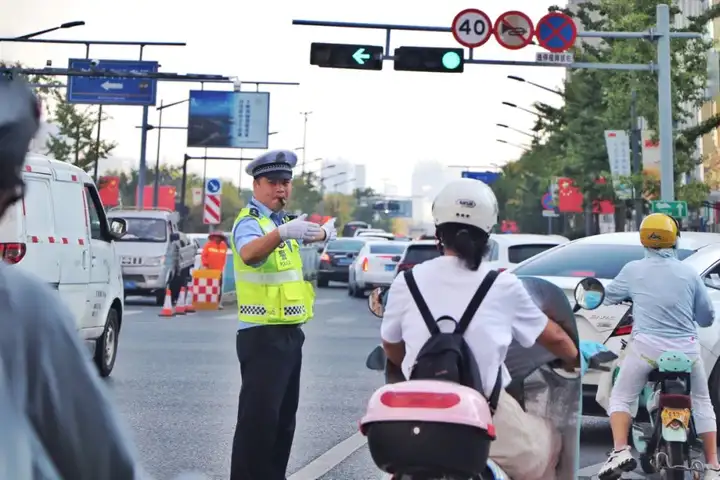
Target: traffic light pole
[660, 33]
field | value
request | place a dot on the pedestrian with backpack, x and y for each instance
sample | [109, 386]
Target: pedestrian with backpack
[453, 318]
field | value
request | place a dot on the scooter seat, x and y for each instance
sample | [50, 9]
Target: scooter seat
[671, 400]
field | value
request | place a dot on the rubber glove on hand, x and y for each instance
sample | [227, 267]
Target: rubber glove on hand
[330, 231]
[588, 350]
[314, 233]
[295, 229]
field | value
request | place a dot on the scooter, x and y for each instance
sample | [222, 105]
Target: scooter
[667, 439]
[435, 430]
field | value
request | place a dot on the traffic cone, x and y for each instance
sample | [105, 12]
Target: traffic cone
[189, 307]
[167, 310]
[180, 307]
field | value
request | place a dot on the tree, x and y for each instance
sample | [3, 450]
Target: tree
[76, 141]
[596, 100]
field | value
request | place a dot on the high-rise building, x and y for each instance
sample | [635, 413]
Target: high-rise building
[427, 180]
[337, 176]
[360, 177]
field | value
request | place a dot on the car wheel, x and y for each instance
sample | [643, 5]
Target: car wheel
[106, 345]
[358, 292]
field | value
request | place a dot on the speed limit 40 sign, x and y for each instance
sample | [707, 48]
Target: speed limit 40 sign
[472, 28]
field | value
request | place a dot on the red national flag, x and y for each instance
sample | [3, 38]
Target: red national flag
[109, 190]
[570, 199]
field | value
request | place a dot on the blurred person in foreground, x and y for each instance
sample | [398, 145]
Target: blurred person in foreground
[56, 420]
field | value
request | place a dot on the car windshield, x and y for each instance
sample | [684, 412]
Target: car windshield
[388, 248]
[420, 253]
[586, 260]
[145, 230]
[520, 253]
[345, 246]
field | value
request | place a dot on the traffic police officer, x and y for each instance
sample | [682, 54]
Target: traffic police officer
[273, 303]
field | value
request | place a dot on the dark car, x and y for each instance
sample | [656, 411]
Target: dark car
[336, 259]
[417, 252]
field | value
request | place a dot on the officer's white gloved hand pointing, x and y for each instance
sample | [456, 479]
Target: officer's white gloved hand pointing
[295, 229]
[330, 231]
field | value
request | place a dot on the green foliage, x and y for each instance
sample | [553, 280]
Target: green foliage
[598, 100]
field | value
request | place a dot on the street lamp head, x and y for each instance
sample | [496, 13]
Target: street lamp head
[502, 125]
[272, 133]
[501, 141]
[509, 104]
[79, 23]
[516, 78]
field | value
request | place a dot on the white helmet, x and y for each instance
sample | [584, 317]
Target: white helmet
[466, 201]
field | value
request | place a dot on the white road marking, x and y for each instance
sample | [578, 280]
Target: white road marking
[591, 472]
[330, 459]
[132, 312]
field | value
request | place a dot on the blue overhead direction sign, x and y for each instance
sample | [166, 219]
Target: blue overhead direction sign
[556, 32]
[112, 90]
[485, 177]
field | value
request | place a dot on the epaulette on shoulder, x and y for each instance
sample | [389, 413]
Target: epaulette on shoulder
[254, 212]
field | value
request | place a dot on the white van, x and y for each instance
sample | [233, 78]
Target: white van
[60, 233]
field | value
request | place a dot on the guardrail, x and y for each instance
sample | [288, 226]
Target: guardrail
[310, 259]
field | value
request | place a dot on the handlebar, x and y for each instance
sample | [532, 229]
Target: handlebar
[594, 363]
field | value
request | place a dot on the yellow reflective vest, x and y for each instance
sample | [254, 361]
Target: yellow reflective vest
[274, 293]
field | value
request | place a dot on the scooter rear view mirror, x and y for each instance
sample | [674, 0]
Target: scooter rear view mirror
[589, 294]
[375, 302]
[376, 360]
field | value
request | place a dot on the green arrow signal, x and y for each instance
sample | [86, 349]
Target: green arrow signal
[360, 56]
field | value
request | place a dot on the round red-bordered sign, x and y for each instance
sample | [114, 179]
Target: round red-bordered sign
[556, 32]
[514, 30]
[472, 28]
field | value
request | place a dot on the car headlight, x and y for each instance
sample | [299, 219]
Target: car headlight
[154, 261]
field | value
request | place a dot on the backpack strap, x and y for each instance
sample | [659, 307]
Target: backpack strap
[495, 394]
[420, 302]
[476, 301]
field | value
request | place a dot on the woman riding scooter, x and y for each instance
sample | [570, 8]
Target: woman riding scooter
[669, 301]
[527, 447]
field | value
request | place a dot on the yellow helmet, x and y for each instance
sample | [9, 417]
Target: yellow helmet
[659, 231]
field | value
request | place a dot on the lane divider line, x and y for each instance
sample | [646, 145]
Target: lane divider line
[330, 459]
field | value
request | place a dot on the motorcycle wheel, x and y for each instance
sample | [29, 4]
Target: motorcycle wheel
[676, 457]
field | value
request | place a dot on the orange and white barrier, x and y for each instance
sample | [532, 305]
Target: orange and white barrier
[206, 289]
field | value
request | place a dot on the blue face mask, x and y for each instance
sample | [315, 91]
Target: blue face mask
[593, 299]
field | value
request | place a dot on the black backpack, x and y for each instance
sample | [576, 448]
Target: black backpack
[446, 356]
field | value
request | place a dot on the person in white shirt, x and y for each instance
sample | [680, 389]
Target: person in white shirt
[465, 211]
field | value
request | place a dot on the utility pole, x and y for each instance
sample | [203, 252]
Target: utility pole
[635, 139]
[304, 144]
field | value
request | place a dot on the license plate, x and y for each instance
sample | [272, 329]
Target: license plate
[389, 268]
[344, 261]
[669, 415]
[130, 285]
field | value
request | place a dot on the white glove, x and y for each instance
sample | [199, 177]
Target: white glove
[313, 233]
[330, 231]
[295, 229]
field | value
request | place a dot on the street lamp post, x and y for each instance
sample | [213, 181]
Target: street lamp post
[305, 115]
[520, 79]
[48, 30]
[502, 125]
[160, 109]
[509, 104]
[513, 144]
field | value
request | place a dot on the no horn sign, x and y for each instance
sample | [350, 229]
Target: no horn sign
[556, 32]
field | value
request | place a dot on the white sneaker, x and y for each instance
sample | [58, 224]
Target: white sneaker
[711, 473]
[618, 462]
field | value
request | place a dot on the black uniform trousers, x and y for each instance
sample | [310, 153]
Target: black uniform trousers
[270, 363]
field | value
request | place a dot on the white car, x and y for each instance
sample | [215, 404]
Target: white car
[360, 231]
[60, 233]
[602, 257]
[374, 266]
[507, 250]
[379, 235]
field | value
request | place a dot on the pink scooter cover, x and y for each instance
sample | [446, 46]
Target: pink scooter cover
[429, 401]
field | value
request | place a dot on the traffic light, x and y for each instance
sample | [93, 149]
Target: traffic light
[338, 55]
[428, 59]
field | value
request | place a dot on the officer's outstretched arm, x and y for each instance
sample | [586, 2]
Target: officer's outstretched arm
[68, 406]
[258, 249]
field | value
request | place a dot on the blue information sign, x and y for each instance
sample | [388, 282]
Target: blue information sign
[112, 90]
[485, 177]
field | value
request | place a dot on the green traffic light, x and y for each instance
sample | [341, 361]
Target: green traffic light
[451, 60]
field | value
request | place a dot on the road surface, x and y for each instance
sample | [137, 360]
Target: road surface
[176, 382]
